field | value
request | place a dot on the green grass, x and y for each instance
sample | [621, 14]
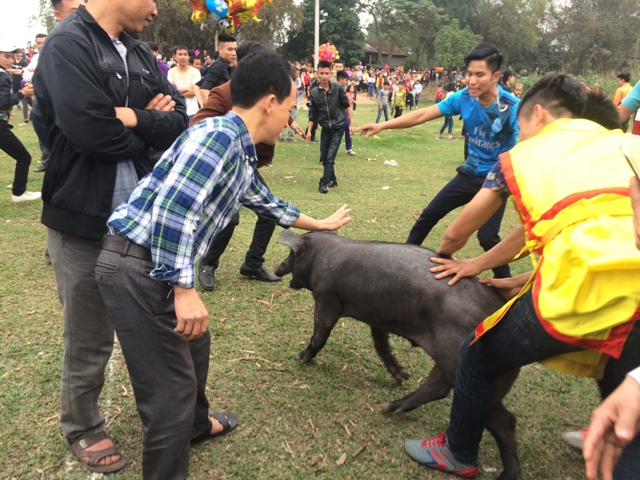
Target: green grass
[296, 420]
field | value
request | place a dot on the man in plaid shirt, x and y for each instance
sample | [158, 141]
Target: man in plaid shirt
[146, 271]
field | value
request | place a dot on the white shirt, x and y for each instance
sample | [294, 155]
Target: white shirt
[183, 80]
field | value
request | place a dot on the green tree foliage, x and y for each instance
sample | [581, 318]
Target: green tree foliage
[269, 31]
[421, 20]
[514, 26]
[339, 24]
[411, 25]
[381, 27]
[452, 44]
[597, 35]
[173, 26]
[45, 14]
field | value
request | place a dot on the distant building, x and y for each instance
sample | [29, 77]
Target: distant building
[376, 54]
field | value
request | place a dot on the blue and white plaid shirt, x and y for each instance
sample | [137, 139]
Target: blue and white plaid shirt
[191, 195]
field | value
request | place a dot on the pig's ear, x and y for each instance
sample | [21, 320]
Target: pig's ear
[293, 240]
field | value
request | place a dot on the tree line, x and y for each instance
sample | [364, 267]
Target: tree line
[575, 36]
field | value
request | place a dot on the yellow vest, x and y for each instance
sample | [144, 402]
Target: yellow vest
[570, 186]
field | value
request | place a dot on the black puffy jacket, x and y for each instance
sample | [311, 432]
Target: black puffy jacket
[79, 80]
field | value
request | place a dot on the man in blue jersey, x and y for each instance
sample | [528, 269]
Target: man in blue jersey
[489, 114]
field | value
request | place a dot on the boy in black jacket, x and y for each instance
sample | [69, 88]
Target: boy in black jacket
[327, 105]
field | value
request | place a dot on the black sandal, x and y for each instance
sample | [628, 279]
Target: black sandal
[229, 421]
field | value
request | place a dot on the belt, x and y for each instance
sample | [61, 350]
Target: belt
[125, 247]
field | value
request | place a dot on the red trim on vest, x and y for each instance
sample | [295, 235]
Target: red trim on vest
[611, 346]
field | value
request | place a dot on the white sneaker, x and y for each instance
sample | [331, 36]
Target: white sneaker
[25, 197]
[574, 439]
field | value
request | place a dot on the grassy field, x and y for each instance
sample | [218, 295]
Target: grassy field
[297, 421]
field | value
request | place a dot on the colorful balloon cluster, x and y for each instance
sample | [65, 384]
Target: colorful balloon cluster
[230, 13]
[328, 52]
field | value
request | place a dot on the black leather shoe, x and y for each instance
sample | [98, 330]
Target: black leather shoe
[40, 169]
[206, 277]
[323, 189]
[261, 273]
[332, 183]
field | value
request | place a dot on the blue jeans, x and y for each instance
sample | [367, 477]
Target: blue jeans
[519, 339]
[384, 109]
[370, 87]
[459, 191]
[448, 122]
[347, 133]
[329, 145]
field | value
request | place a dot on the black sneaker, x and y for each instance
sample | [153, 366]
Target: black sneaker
[41, 168]
[323, 189]
[332, 183]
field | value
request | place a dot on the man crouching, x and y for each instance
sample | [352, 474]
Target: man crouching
[146, 271]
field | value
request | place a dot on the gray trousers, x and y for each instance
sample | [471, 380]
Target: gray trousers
[168, 373]
[87, 333]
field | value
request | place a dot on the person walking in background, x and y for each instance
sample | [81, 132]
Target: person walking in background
[327, 105]
[383, 102]
[9, 143]
[448, 119]
[399, 99]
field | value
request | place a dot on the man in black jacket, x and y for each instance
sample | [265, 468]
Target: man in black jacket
[220, 71]
[102, 115]
[327, 106]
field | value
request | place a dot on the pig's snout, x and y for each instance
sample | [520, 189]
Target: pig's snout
[284, 268]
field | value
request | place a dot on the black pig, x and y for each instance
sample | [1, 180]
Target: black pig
[389, 287]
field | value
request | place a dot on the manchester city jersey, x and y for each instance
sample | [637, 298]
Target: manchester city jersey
[491, 130]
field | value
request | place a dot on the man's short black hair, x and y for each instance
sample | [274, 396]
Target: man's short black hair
[339, 60]
[624, 76]
[556, 92]
[194, 58]
[226, 38]
[601, 110]
[41, 35]
[153, 46]
[342, 74]
[56, 3]
[260, 74]
[179, 47]
[247, 48]
[506, 75]
[324, 64]
[488, 53]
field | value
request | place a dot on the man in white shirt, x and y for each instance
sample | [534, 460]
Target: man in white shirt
[184, 77]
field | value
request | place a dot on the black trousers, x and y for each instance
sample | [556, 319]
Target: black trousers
[13, 147]
[459, 191]
[262, 234]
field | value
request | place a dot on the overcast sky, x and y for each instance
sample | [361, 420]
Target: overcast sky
[17, 25]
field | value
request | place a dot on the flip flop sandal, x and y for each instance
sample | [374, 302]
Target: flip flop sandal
[79, 450]
[229, 421]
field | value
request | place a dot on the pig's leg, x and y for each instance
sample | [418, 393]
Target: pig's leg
[502, 425]
[434, 388]
[381, 342]
[325, 317]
